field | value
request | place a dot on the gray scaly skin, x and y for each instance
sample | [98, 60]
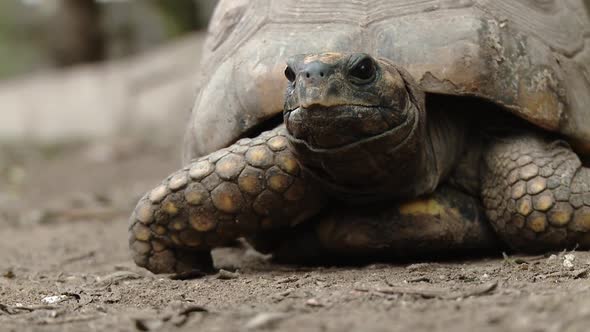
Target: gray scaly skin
[357, 130]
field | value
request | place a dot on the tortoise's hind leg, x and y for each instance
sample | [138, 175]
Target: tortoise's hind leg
[443, 224]
[537, 194]
[252, 186]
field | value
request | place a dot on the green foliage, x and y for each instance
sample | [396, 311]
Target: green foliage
[20, 40]
[180, 15]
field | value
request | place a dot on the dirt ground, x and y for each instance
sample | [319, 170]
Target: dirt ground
[64, 266]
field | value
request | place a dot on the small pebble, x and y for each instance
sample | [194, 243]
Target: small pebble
[286, 292]
[265, 320]
[227, 275]
[313, 303]
[417, 267]
[54, 299]
[568, 261]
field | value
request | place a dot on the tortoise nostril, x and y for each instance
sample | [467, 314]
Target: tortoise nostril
[317, 70]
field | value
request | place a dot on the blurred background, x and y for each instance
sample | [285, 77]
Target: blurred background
[37, 34]
[94, 97]
[43, 44]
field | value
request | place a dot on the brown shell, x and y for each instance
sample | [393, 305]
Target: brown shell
[531, 56]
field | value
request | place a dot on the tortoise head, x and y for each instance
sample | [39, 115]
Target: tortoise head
[358, 124]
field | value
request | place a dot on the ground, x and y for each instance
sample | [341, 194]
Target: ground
[65, 266]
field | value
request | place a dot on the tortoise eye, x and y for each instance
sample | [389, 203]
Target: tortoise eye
[363, 71]
[290, 74]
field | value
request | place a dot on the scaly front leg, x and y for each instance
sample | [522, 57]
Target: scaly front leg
[252, 186]
[445, 223]
[537, 194]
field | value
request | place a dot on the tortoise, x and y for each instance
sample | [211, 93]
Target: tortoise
[337, 130]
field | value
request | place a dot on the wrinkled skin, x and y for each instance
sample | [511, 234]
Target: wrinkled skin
[418, 179]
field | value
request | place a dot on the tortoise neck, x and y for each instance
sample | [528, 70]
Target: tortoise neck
[446, 140]
[398, 164]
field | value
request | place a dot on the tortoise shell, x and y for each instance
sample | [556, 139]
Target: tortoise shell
[530, 56]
